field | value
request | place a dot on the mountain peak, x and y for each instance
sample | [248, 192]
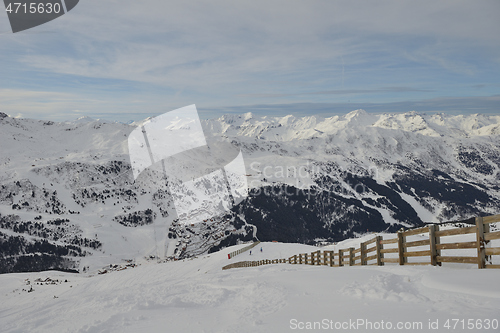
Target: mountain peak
[247, 116]
[356, 113]
[360, 117]
[84, 119]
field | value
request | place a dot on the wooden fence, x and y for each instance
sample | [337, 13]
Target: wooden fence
[246, 248]
[377, 250]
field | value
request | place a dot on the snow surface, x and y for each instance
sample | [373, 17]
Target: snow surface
[197, 296]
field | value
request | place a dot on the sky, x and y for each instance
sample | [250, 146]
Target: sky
[125, 60]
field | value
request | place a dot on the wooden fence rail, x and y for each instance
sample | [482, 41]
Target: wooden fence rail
[246, 248]
[374, 251]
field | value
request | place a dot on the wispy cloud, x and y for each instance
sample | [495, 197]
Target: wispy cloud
[346, 92]
[460, 105]
[109, 56]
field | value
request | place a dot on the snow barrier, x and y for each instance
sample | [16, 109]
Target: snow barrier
[378, 251]
[246, 248]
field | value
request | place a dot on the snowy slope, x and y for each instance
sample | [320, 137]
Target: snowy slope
[197, 296]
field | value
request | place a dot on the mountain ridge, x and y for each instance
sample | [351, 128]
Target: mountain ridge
[326, 179]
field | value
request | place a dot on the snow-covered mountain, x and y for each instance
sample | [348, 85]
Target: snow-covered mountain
[68, 198]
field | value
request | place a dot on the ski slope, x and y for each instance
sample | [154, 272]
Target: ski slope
[195, 295]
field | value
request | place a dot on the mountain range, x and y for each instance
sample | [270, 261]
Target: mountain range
[68, 199]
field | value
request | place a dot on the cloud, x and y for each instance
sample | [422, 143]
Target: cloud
[61, 107]
[458, 105]
[345, 92]
[188, 43]
[41, 104]
[133, 57]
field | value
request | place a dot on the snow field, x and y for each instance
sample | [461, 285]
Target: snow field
[197, 296]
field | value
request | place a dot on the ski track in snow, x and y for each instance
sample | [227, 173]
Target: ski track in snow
[197, 296]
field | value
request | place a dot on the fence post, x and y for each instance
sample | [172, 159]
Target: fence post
[379, 246]
[363, 253]
[481, 243]
[317, 261]
[434, 240]
[401, 247]
[351, 256]
[341, 258]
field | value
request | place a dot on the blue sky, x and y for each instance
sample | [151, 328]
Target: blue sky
[127, 60]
